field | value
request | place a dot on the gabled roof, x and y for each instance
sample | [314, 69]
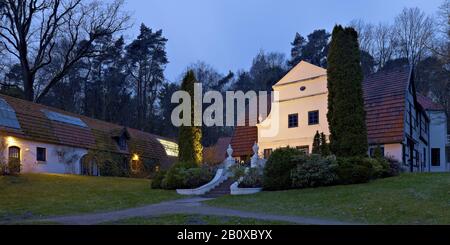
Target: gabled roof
[302, 71]
[385, 98]
[35, 125]
[428, 104]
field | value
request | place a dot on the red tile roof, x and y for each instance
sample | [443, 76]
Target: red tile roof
[429, 104]
[385, 99]
[243, 139]
[99, 135]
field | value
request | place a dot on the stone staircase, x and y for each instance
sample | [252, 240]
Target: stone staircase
[220, 190]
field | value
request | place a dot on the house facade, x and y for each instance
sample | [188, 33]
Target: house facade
[396, 120]
[48, 140]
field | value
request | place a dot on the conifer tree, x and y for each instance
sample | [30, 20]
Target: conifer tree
[324, 146]
[346, 115]
[189, 138]
[316, 143]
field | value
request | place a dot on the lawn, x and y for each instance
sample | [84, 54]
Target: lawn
[192, 219]
[31, 196]
[408, 199]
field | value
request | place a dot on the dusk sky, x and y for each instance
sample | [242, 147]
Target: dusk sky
[227, 34]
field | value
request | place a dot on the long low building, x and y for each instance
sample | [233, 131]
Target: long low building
[49, 140]
[407, 126]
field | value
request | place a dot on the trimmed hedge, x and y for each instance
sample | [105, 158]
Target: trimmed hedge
[277, 172]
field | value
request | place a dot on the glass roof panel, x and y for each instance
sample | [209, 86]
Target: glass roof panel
[55, 116]
[8, 115]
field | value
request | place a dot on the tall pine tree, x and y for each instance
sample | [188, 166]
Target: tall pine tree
[297, 50]
[346, 114]
[190, 137]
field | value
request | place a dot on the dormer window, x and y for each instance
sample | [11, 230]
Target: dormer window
[122, 142]
[121, 136]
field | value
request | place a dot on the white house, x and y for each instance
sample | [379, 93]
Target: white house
[396, 120]
[49, 140]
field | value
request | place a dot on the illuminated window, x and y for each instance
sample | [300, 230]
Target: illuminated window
[134, 165]
[170, 147]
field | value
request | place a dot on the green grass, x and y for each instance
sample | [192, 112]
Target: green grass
[30, 196]
[193, 219]
[408, 199]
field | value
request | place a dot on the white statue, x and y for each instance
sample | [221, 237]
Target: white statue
[255, 157]
[230, 160]
[229, 152]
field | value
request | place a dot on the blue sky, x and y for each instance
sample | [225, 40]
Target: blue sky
[227, 34]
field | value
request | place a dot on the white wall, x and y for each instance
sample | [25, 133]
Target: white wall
[438, 138]
[69, 163]
[394, 150]
[291, 101]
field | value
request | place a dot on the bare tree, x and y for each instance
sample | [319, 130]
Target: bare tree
[30, 30]
[365, 34]
[385, 44]
[414, 30]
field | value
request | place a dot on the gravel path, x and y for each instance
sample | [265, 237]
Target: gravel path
[182, 206]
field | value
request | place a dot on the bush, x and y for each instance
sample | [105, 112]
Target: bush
[315, 171]
[278, 168]
[353, 170]
[157, 179]
[252, 179]
[180, 177]
[394, 166]
[380, 167]
[238, 171]
[173, 179]
[196, 177]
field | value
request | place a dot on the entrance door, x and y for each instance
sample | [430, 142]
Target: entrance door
[14, 158]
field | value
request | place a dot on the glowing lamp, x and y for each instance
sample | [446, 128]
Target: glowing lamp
[135, 157]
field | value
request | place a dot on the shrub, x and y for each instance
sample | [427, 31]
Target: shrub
[180, 177]
[394, 166]
[353, 170]
[238, 171]
[196, 177]
[173, 179]
[315, 171]
[380, 167]
[13, 166]
[157, 179]
[252, 179]
[278, 168]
